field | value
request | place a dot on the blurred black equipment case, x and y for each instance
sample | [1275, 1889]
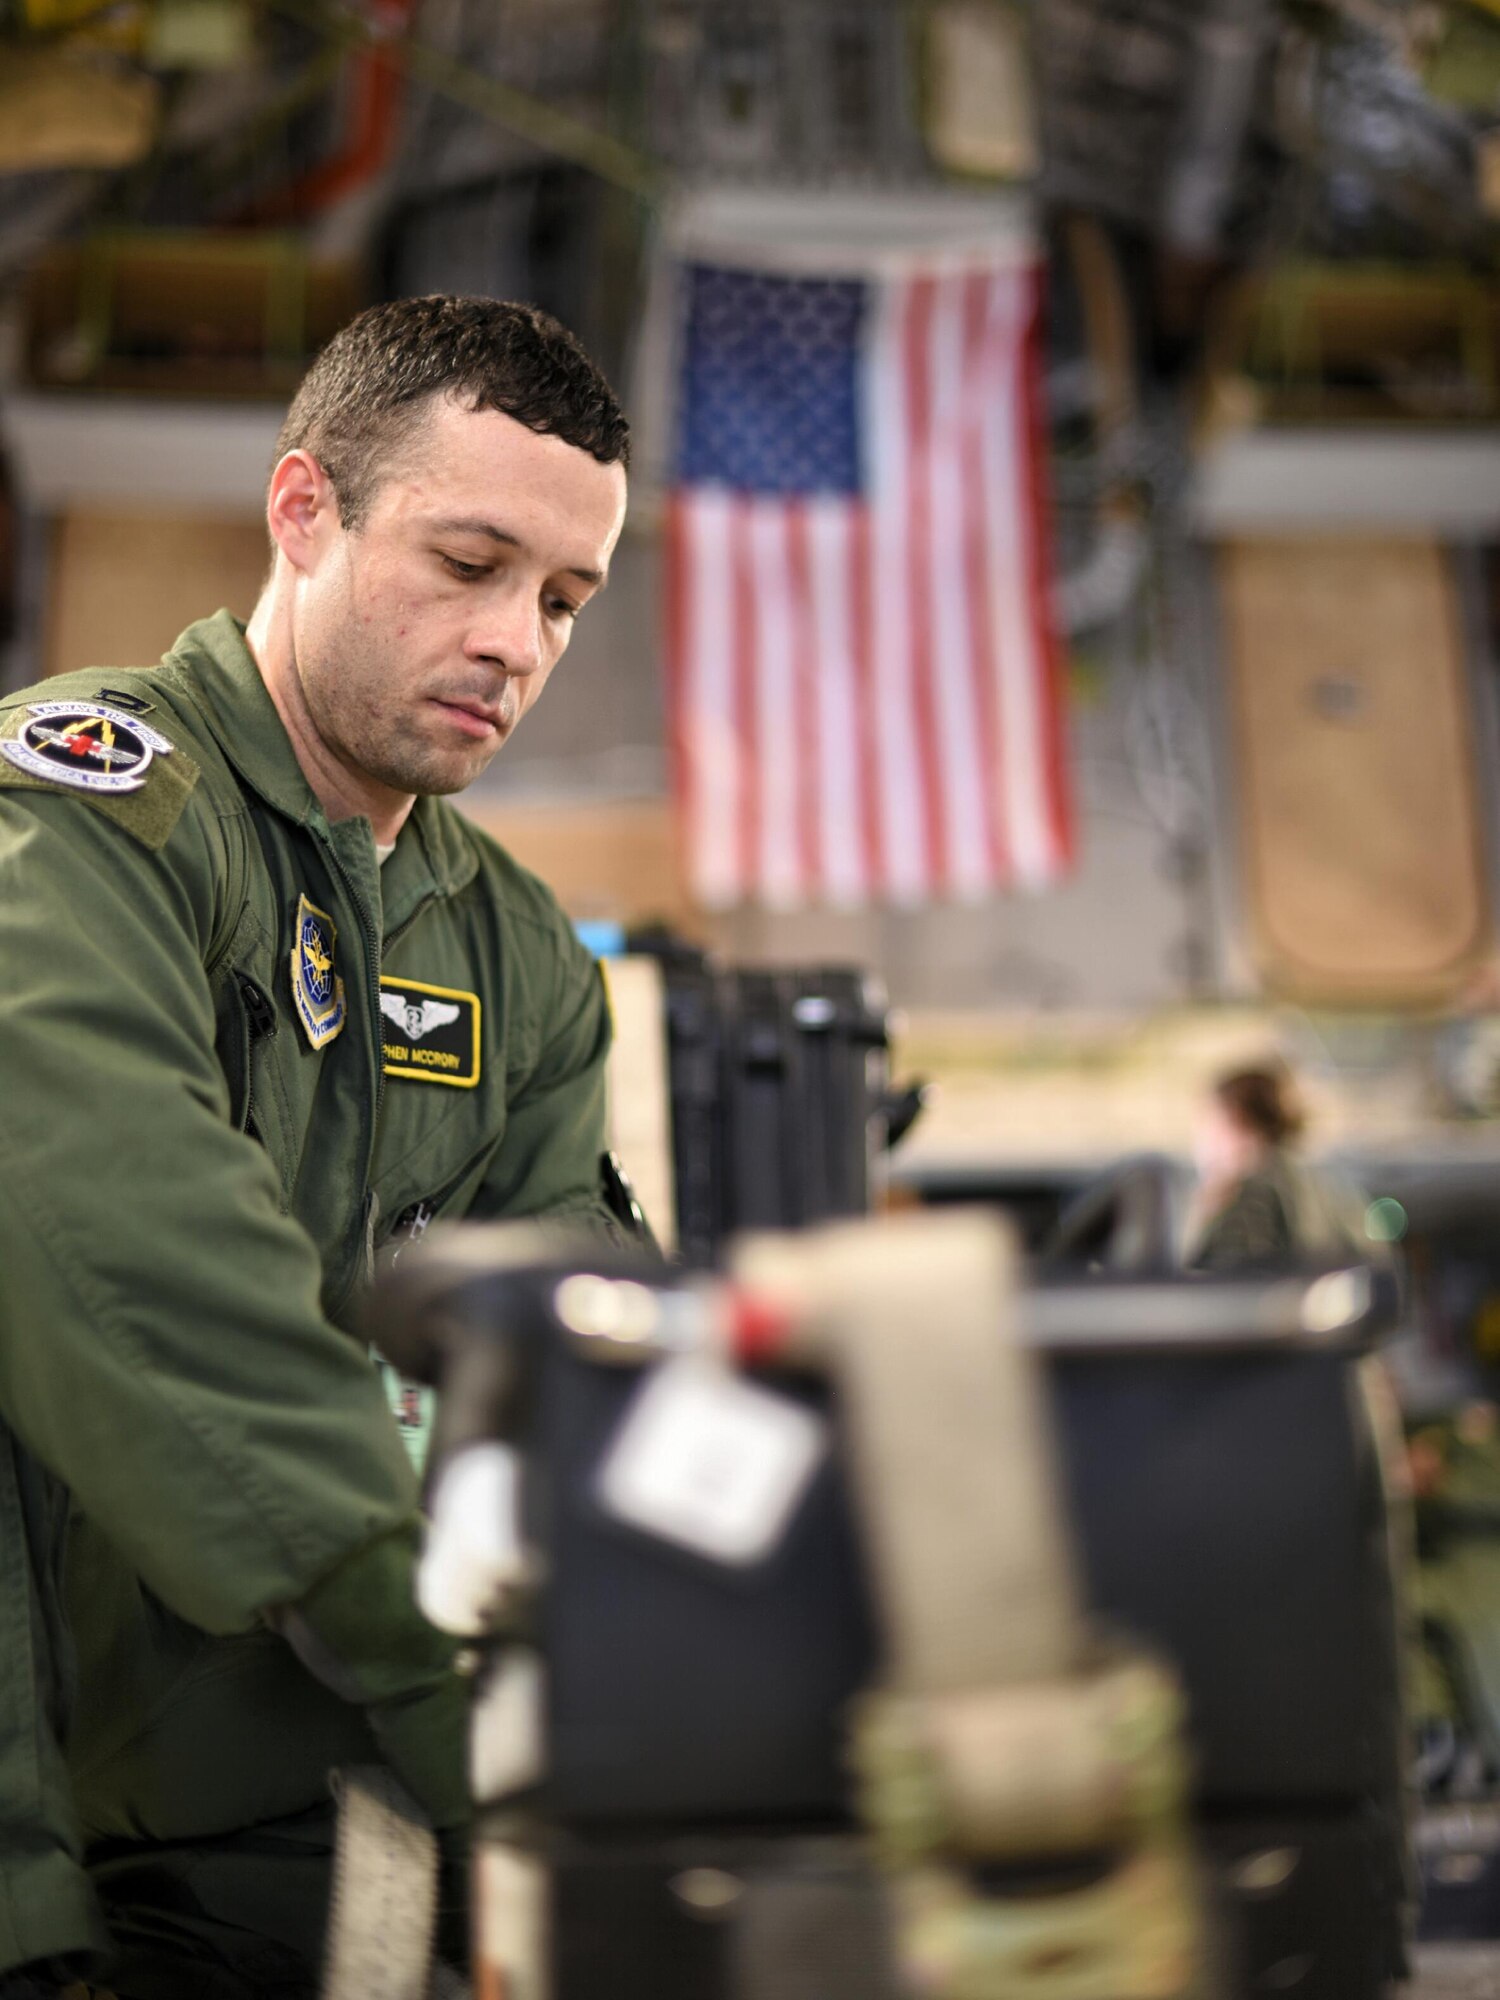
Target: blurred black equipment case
[764, 1915]
[1310, 1905]
[1458, 1857]
[1297, 1907]
[1229, 1510]
[1227, 1500]
[779, 1088]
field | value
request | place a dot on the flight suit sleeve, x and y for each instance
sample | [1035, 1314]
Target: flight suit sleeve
[162, 1347]
[549, 1162]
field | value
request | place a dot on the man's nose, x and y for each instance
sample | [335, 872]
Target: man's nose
[509, 636]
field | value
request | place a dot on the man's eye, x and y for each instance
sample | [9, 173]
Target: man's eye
[562, 607]
[464, 571]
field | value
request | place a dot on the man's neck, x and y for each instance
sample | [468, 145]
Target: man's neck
[343, 793]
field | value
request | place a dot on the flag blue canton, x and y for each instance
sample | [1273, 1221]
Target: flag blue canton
[769, 384]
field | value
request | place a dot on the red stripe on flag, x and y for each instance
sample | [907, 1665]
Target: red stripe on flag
[812, 864]
[984, 376]
[746, 695]
[917, 359]
[866, 694]
[1038, 531]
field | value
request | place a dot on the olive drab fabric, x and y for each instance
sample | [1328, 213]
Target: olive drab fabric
[215, 1118]
[1286, 1211]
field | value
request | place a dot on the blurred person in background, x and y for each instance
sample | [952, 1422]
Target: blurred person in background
[1258, 1203]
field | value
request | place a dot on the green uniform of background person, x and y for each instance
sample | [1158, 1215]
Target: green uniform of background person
[189, 1196]
[1259, 1204]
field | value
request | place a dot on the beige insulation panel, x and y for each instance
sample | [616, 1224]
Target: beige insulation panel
[123, 585]
[640, 1093]
[613, 859]
[1355, 754]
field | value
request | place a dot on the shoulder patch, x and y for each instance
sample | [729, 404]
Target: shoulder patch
[129, 770]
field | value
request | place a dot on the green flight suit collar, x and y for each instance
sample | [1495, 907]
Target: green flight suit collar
[433, 853]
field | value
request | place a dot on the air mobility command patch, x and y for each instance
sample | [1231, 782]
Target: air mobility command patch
[131, 771]
[430, 1033]
[316, 987]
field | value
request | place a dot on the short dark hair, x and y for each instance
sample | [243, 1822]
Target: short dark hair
[364, 394]
[1263, 1101]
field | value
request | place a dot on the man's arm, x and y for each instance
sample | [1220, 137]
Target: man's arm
[162, 1347]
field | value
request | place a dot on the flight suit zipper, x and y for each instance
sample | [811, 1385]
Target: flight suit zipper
[375, 948]
[259, 1021]
[410, 1226]
[260, 1009]
[362, 1263]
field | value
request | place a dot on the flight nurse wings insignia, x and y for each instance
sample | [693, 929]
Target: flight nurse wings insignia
[417, 1021]
[431, 1032]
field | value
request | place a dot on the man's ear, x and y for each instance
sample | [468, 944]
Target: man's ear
[302, 509]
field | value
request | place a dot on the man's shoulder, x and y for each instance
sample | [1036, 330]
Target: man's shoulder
[128, 741]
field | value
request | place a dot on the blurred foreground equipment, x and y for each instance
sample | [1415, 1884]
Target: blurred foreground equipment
[716, 1521]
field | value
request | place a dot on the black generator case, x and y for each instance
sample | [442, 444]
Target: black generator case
[1295, 1906]
[1227, 1502]
[719, 1916]
[778, 1083]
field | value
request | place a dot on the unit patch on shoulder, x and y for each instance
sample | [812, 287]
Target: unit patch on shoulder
[88, 745]
[316, 987]
[430, 1033]
[98, 749]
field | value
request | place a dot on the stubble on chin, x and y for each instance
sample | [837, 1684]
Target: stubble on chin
[408, 765]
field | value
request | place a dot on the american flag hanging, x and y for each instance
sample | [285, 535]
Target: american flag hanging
[863, 680]
[863, 677]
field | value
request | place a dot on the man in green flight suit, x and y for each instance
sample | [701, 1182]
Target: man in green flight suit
[269, 1005]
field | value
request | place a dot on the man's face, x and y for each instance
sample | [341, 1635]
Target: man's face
[422, 637]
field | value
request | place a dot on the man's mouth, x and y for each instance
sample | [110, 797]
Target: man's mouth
[478, 719]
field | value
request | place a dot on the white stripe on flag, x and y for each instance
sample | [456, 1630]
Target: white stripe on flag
[711, 738]
[961, 780]
[841, 857]
[777, 864]
[892, 694]
[1020, 675]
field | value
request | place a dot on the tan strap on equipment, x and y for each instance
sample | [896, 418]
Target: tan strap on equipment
[915, 1318]
[1002, 1735]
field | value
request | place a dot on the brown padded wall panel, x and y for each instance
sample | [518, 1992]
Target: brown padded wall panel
[1353, 741]
[611, 859]
[123, 585]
